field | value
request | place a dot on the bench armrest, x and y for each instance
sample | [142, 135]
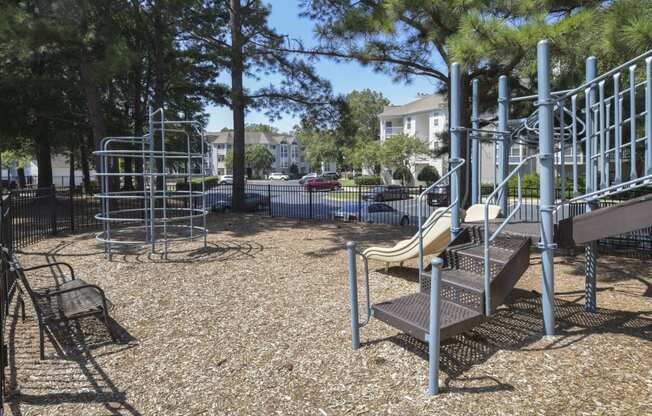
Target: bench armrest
[42, 266]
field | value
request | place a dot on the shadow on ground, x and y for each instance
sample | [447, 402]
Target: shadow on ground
[516, 326]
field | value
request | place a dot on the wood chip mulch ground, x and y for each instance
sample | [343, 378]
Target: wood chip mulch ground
[257, 323]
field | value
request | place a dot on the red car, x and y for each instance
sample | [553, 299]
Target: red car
[322, 183]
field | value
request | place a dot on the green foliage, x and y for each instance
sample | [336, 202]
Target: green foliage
[257, 157]
[265, 128]
[319, 146]
[367, 180]
[399, 149]
[209, 182]
[294, 171]
[361, 114]
[428, 174]
[367, 154]
[403, 174]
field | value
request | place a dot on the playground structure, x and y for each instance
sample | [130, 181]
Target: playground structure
[482, 263]
[152, 213]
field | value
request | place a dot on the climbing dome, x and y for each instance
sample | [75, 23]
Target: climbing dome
[152, 187]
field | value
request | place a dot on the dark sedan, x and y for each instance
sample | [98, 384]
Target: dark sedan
[439, 196]
[387, 193]
[253, 202]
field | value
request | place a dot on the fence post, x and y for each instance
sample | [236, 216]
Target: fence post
[359, 203]
[72, 209]
[310, 202]
[54, 210]
[269, 199]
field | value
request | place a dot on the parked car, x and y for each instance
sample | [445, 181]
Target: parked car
[228, 180]
[253, 202]
[304, 178]
[387, 193]
[439, 196]
[320, 183]
[331, 175]
[278, 176]
[371, 213]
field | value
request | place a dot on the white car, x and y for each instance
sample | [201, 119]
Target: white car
[371, 213]
[304, 178]
[228, 180]
[278, 176]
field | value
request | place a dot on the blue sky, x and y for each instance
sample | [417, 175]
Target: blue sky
[345, 77]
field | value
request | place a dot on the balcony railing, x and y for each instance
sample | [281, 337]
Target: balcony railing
[393, 131]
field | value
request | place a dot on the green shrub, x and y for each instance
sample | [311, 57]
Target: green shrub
[403, 174]
[367, 180]
[209, 182]
[428, 175]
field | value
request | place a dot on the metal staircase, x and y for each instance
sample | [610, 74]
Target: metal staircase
[462, 285]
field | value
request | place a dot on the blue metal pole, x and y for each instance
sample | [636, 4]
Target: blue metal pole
[562, 150]
[591, 185]
[618, 131]
[574, 128]
[433, 335]
[353, 294]
[546, 186]
[503, 144]
[632, 122]
[456, 143]
[475, 144]
[591, 71]
[648, 118]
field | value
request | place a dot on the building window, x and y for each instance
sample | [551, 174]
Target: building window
[388, 124]
[435, 121]
[408, 123]
[294, 152]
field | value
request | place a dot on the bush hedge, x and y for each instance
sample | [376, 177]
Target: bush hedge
[209, 182]
[428, 175]
[403, 174]
[367, 180]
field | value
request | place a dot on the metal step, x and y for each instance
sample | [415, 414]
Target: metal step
[411, 314]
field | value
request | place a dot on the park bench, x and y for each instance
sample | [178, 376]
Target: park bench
[56, 305]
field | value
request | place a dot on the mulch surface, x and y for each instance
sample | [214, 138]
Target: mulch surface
[257, 323]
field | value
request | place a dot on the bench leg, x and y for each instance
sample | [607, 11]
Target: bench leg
[22, 308]
[105, 315]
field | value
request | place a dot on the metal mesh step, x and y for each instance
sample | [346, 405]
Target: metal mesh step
[411, 314]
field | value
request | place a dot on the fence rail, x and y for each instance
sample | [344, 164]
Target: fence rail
[35, 214]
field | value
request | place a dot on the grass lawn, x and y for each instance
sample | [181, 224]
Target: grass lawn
[343, 196]
[347, 182]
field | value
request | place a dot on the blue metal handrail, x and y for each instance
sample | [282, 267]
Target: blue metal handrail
[489, 238]
[460, 163]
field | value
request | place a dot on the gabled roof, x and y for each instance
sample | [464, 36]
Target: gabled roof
[251, 137]
[420, 105]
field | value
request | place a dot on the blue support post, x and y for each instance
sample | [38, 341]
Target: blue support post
[456, 143]
[648, 118]
[503, 144]
[353, 294]
[574, 144]
[433, 331]
[632, 122]
[618, 130]
[591, 250]
[546, 186]
[475, 144]
[591, 71]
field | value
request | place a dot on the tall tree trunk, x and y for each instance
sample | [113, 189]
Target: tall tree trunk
[238, 107]
[44, 161]
[71, 179]
[83, 159]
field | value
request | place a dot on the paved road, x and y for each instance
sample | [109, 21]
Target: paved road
[289, 199]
